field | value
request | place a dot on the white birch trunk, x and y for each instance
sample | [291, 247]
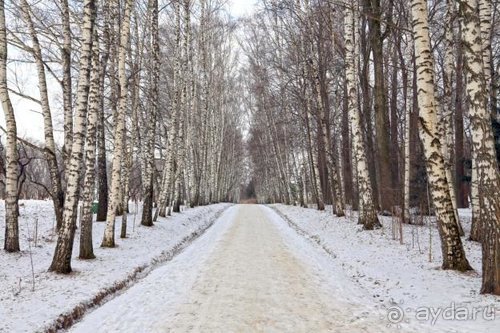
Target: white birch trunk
[483, 151]
[61, 263]
[407, 168]
[11, 242]
[67, 81]
[118, 152]
[86, 246]
[168, 177]
[367, 213]
[484, 8]
[451, 244]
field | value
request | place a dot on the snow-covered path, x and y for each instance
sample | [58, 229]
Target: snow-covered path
[248, 273]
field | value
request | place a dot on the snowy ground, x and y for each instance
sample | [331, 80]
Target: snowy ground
[248, 273]
[400, 278]
[253, 271]
[25, 310]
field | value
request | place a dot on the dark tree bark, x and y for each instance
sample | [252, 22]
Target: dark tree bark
[366, 113]
[460, 179]
[102, 173]
[384, 183]
[346, 154]
[147, 206]
[395, 183]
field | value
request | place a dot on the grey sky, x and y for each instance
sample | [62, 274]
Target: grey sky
[241, 7]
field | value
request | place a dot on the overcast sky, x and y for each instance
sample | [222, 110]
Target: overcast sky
[241, 7]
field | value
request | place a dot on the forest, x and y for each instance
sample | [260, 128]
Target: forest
[377, 109]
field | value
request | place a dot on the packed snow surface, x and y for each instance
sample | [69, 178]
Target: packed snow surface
[249, 273]
[25, 310]
[405, 278]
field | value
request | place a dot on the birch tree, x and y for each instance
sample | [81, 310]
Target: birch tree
[483, 151]
[147, 218]
[483, 27]
[67, 79]
[61, 262]
[86, 218]
[11, 243]
[119, 129]
[168, 175]
[50, 146]
[367, 213]
[451, 244]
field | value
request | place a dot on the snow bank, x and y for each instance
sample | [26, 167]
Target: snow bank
[152, 303]
[25, 310]
[399, 278]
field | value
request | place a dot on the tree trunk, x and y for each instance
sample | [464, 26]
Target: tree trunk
[366, 115]
[115, 194]
[147, 208]
[483, 149]
[367, 212]
[346, 153]
[446, 116]
[451, 244]
[484, 10]
[461, 183]
[11, 242]
[325, 137]
[102, 174]
[395, 149]
[61, 262]
[168, 179]
[66, 81]
[384, 181]
[86, 218]
[50, 146]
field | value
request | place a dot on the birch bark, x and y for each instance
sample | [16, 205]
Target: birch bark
[118, 152]
[67, 81]
[61, 262]
[11, 242]
[50, 146]
[451, 244]
[483, 149]
[367, 213]
[86, 246]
